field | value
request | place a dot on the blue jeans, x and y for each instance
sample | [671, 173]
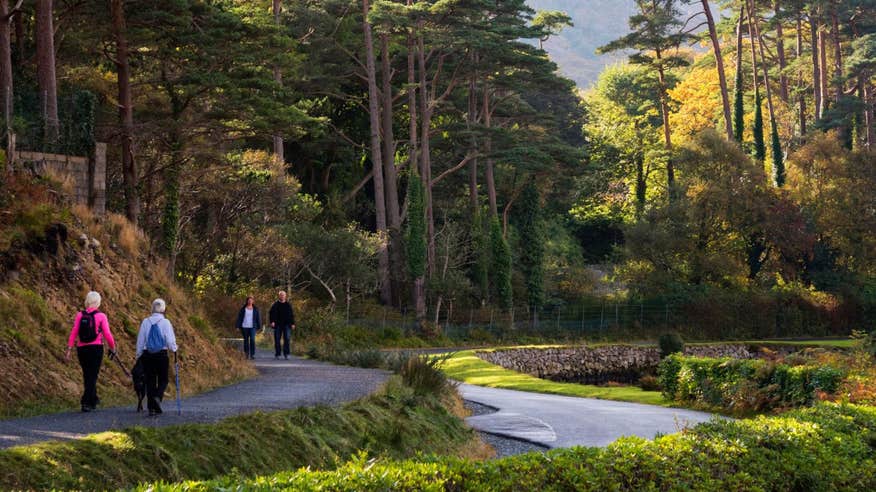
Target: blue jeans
[284, 332]
[248, 341]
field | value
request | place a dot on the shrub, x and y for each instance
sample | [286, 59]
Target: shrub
[745, 385]
[423, 375]
[670, 343]
[649, 383]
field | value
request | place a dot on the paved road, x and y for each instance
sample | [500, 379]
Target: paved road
[564, 421]
[281, 384]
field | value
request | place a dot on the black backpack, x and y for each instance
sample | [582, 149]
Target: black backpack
[88, 327]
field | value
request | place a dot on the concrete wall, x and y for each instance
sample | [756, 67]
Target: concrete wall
[595, 365]
[89, 175]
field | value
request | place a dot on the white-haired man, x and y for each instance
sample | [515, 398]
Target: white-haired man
[155, 339]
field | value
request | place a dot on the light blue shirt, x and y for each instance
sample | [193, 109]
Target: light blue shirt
[166, 332]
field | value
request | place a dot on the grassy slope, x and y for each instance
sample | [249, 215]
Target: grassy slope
[395, 424]
[467, 367]
[829, 447]
[41, 292]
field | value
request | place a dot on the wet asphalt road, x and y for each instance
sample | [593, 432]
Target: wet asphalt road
[281, 384]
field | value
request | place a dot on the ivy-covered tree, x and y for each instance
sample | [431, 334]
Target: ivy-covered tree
[501, 268]
[531, 232]
[415, 241]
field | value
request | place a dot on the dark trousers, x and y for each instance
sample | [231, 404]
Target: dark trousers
[248, 341]
[90, 357]
[284, 332]
[155, 366]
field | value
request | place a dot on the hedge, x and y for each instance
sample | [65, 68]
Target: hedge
[744, 385]
[826, 447]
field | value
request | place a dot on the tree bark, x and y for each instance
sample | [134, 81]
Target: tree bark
[279, 150]
[126, 112]
[390, 176]
[488, 149]
[376, 158]
[472, 120]
[869, 114]
[667, 133]
[766, 80]
[641, 184]
[802, 96]
[5, 65]
[822, 57]
[839, 69]
[816, 68]
[425, 152]
[719, 61]
[45, 41]
[780, 53]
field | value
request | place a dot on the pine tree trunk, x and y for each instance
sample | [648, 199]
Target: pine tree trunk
[719, 60]
[800, 82]
[839, 68]
[780, 54]
[738, 89]
[822, 60]
[816, 68]
[126, 112]
[472, 120]
[5, 65]
[390, 176]
[425, 152]
[869, 113]
[19, 35]
[412, 101]
[488, 148]
[45, 41]
[667, 133]
[376, 157]
[278, 78]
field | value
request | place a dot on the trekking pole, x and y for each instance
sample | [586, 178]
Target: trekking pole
[115, 358]
[176, 372]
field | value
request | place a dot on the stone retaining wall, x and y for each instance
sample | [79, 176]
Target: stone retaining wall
[597, 365]
[89, 174]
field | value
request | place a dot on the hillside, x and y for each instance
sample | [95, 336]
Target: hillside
[596, 23]
[51, 255]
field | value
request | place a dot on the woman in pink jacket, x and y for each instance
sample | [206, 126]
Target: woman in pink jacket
[90, 329]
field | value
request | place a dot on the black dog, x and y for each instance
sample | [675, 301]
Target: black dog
[138, 377]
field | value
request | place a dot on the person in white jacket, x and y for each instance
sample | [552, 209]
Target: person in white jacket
[155, 339]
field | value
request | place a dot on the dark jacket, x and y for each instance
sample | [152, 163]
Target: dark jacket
[256, 318]
[281, 314]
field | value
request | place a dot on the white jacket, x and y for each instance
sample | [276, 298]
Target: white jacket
[166, 332]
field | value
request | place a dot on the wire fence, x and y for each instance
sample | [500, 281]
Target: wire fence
[606, 319]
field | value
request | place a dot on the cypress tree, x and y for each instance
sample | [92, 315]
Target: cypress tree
[532, 248]
[778, 157]
[738, 109]
[759, 144]
[481, 252]
[501, 264]
[415, 240]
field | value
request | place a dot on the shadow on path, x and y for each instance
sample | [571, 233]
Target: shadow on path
[281, 384]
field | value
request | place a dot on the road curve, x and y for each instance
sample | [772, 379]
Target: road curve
[281, 384]
[564, 421]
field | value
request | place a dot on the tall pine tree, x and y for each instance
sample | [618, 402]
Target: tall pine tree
[532, 248]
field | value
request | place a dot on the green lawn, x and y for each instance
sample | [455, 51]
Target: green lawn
[844, 343]
[465, 366]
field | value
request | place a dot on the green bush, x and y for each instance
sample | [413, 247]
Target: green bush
[670, 343]
[828, 447]
[744, 385]
[423, 375]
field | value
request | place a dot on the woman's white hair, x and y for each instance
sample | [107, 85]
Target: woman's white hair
[159, 306]
[92, 300]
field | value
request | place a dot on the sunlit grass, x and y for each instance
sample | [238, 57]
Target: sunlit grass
[467, 367]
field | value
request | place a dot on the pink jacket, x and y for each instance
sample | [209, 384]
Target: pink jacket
[103, 331]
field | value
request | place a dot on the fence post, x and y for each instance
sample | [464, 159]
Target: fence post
[582, 318]
[491, 318]
[617, 314]
[602, 316]
[383, 326]
[470, 316]
[558, 317]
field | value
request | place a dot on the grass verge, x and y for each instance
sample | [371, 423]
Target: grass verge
[396, 423]
[467, 367]
[828, 447]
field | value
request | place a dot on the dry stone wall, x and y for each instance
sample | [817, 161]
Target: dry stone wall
[597, 365]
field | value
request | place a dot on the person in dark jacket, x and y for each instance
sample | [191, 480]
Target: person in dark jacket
[248, 321]
[283, 322]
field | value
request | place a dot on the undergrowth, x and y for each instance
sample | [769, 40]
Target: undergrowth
[828, 447]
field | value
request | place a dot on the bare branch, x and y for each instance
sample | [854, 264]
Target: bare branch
[455, 168]
[349, 196]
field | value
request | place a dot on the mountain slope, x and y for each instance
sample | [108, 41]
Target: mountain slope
[51, 255]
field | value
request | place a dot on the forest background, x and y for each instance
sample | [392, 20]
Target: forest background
[422, 167]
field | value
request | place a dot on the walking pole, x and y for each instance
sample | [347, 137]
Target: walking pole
[176, 373]
[114, 357]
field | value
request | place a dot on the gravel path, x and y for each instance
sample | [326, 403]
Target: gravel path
[281, 384]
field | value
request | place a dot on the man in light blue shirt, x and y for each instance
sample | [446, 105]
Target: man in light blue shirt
[155, 339]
